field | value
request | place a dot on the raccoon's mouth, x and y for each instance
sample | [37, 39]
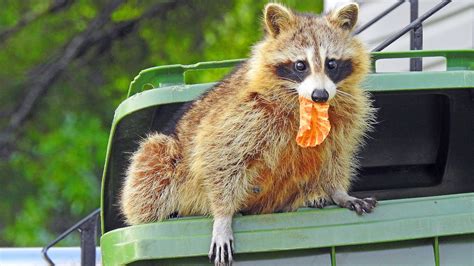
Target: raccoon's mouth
[317, 89]
[314, 123]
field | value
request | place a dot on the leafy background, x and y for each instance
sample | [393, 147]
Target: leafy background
[64, 67]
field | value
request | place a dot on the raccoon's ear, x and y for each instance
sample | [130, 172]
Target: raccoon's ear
[277, 18]
[345, 17]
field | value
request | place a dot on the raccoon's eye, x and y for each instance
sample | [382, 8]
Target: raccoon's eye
[300, 66]
[331, 64]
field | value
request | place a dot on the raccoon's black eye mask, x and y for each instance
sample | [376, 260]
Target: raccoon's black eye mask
[293, 71]
[338, 69]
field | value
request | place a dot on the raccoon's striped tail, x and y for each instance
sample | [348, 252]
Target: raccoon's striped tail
[149, 192]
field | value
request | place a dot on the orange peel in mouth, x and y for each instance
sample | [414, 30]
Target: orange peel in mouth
[314, 123]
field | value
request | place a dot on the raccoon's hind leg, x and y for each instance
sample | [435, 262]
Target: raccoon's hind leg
[336, 178]
[318, 202]
[149, 192]
[315, 196]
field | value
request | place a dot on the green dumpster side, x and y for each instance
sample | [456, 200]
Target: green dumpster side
[335, 228]
[410, 230]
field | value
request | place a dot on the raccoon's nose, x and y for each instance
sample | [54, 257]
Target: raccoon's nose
[320, 96]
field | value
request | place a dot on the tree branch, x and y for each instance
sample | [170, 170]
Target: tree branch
[56, 5]
[42, 77]
[40, 81]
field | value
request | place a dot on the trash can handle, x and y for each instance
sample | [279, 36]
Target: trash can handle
[161, 76]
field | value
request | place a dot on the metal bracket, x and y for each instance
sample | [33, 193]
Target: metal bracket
[88, 229]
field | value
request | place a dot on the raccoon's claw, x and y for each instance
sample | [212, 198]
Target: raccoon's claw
[221, 253]
[361, 206]
[222, 243]
[317, 203]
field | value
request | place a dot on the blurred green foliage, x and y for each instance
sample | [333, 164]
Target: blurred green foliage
[51, 177]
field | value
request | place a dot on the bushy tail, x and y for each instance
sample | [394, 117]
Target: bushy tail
[149, 192]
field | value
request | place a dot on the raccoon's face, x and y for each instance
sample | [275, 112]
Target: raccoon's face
[316, 56]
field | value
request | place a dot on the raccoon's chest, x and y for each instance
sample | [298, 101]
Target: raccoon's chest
[279, 184]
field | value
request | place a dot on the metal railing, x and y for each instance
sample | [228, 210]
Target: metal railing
[415, 26]
[87, 227]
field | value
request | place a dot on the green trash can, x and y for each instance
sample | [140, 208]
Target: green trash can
[418, 162]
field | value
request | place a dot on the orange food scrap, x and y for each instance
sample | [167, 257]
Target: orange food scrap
[314, 123]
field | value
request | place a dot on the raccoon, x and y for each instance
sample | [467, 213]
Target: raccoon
[234, 150]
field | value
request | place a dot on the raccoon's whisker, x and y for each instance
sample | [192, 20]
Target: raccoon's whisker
[290, 80]
[285, 99]
[293, 90]
[343, 93]
[288, 95]
[344, 96]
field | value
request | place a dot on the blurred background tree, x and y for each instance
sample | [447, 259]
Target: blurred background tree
[64, 67]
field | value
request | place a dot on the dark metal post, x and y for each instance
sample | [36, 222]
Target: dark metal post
[88, 241]
[416, 37]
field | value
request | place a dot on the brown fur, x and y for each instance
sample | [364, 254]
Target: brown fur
[235, 149]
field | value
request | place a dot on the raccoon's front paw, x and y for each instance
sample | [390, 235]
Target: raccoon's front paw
[360, 206]
[318, 203]
[222, 244]
[222, 250]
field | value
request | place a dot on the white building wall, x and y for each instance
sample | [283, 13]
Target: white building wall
[450, 28]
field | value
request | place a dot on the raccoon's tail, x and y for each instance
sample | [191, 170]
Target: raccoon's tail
[149, 192]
